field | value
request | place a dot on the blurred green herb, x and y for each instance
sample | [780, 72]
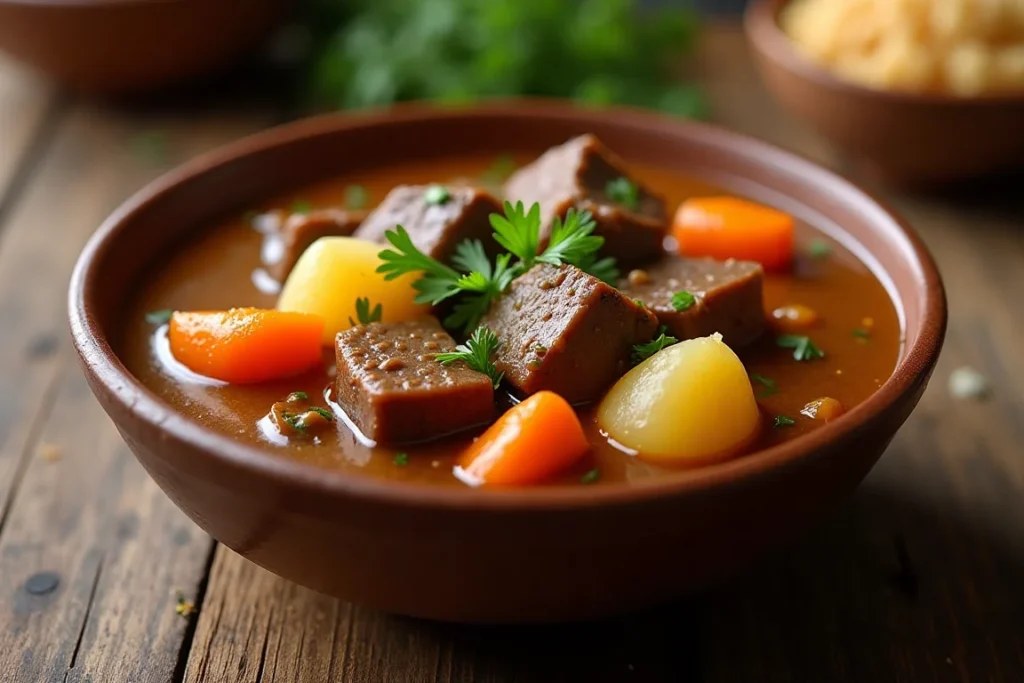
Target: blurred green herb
[301, 206]
[356, 197]
[599, 52]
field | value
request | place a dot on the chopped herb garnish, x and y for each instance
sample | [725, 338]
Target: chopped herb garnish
[623, 191]
[401, 459]
[322, 412]
[819, 249]
[642, 352]
[783, 421]
[301, 206]
[437, 194]
[476, 352]
[803, 347]
[770, 388]
[500, 169]
[861, 333]
[356, 197]
[364, 314]
[683, 300]
[297, 396]
[518, 231]
[639, 303]
[160, 317]
[591, 476]
[294, 421]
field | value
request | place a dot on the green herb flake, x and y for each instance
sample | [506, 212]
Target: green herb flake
[301, 206]
[297, 396]
[476, 352]
[500, 169]
[783, 421]
[639, 303]
[683, 300]
[803, 348]
[401, 459]
[819, 249]
[356, 197]
[294, 421]
[591, 476]
[769, 386]
[642, 352]
[861, 334]
[183, 606]
[159, 317]
[364, 314]
[322, 412]
[437, 195]
[623, 191]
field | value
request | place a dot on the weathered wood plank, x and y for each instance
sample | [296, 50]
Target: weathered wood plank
[25, 101]
[76, 506]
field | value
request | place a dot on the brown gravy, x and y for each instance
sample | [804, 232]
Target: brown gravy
[216, 272]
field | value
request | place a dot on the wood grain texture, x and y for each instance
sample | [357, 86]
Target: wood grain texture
[91, 552]
[26, 101]
[919, 579]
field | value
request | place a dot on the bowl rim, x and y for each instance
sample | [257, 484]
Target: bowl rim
[761, 24]
[108, 375]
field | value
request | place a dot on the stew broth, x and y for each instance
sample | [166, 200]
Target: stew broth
[216, 271]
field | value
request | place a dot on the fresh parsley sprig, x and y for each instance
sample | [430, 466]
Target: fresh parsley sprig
[519, 232]
[438, 281]
[364, 314]
[803, 348]
[642, 352]
[476, 352]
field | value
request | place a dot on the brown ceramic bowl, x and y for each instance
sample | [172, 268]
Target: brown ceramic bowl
[903, 138]
[548, 553]
[115, 46]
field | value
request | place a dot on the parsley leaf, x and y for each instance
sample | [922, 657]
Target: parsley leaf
[364, 315]
[604, 269]
[861, 334]
[642, 352]
[401, 459]
[591, 476]
[322, 412]
[477, 354]
[623, 191]
[571, 239]
[297, 396]
[770, 388]
[437, 195]
[519, 231]
[356, 197]
[438, 281]
[301, 206]
[160, 317]
[683, 300]
[819, 249]
[803, 347]
[783, 421]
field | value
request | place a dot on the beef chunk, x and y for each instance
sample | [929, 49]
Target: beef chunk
[728, 297]
[577, 174]
[283, 247]
[564, 330]
[394, 391]
[436, 227]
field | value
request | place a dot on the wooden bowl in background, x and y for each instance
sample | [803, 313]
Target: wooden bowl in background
[481, 555]
[118, 46]
[903, 138]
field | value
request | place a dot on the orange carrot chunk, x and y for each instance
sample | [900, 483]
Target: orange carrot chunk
[246, 345]
[531, 442]
[727, 227]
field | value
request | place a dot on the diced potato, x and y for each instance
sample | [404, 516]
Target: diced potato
[334, 272]
[691, 403]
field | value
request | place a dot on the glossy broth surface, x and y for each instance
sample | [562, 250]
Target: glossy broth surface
[216, 271]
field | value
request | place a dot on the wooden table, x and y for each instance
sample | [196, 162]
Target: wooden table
[919, 578]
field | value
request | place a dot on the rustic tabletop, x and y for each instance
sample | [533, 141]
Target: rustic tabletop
[919, 578]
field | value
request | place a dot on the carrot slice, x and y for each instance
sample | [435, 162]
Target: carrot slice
[728, 227]
[531, 442]
[246, 345]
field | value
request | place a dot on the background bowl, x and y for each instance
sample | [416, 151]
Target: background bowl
[538, 554]
[903, 138]
[114, 46]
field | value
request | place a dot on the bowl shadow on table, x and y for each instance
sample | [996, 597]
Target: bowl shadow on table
[888, 585]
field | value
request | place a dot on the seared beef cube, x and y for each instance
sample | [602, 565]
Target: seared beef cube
[393, 389]
[564, 330]
[577, 174]
[284, 247]
[727, 297]
[437, 218]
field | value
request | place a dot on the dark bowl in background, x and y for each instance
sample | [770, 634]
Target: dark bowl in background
[126, 46]
[536, 554]
[902, 138]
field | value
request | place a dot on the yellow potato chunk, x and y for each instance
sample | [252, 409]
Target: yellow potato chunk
[335, 271]
[688, 404]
